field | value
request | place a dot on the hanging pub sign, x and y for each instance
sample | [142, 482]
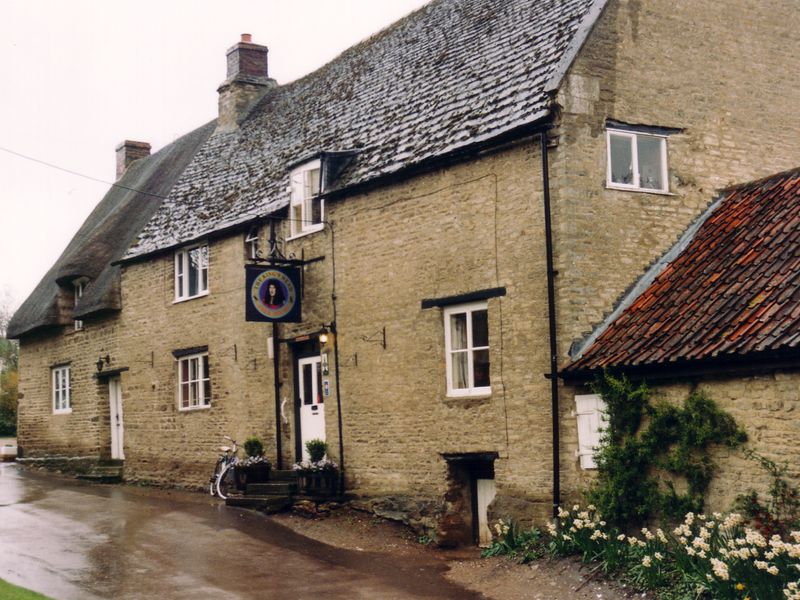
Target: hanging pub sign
[273, 294]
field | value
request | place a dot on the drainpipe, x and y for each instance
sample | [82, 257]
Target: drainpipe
[551, 311]
[276, 365]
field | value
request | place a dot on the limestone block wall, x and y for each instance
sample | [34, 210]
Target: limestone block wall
[766, 406]
[470, 227]
[728, 85]
[84, 432]
[164, 443]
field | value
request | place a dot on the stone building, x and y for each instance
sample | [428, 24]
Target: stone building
[466, 195]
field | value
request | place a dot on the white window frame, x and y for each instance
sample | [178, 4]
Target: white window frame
[252, 242]
[302, 198]
[591, 416]
[79, 286]
[472, 389]
[61, 386]
[636, 185]
[181, 271]
[200, 402]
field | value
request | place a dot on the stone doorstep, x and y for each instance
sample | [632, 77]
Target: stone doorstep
[268, 504]
[283, 488]
[288, 475]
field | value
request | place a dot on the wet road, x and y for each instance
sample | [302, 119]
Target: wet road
[76, 541]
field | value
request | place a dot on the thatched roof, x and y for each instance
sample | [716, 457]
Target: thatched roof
[103, 238]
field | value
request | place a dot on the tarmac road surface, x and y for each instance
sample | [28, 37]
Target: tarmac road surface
[79, 541]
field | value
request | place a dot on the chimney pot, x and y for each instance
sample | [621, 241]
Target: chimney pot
[246, 37]
[129, 151]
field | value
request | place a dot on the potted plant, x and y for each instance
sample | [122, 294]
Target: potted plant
[255, 467]
[317, 476]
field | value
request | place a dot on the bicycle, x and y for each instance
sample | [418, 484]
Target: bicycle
[222, 481]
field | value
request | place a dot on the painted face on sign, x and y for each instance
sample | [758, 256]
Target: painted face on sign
[273, 298]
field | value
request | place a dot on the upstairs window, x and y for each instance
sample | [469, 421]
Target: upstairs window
[62, 402]
[194, 382]
[191, 273]
[637, 161]
[78, 286]
[466, 328]
[252, 243]
[307, 207]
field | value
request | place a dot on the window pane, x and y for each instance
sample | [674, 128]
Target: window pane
[319, 398]
[193, 369]
[650, 162]
[185, 395]
[480, 328]
[308, 391]
[621, 159]
[297, 217]
[194, 281]
[480, 368]
[194, 391]
[316, 211]
[458, 331]
[184, 374]
[207, 392]
[460, 370]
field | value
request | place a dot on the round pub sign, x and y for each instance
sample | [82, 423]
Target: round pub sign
[272, 294]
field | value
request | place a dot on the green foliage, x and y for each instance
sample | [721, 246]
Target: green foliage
[708, 558]
[781, 512]
[253, 447]
[317, 449]
[9, 393]
[646, 446]
[523, 545]
[12, 592]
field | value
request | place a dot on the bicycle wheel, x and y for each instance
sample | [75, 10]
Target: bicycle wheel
[225, 482]
[212, 485]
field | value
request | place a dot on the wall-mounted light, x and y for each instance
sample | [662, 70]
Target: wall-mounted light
[101, 360]
[323, 337]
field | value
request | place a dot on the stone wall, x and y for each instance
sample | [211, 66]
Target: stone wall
[82, 432]
[729, 85]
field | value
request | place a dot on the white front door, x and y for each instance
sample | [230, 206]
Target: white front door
[312, 406]
[115, 405]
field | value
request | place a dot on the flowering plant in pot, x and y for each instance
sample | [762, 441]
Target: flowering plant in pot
[255, 467]
[317, 476]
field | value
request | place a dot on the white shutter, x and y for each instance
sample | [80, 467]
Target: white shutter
[590, 412]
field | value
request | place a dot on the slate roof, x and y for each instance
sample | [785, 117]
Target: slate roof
[452, 74]
[732, 293]
[104, 237]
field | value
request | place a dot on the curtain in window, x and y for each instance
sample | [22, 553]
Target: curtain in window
[458, 345]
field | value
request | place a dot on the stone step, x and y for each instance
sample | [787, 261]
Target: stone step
[269, 504]
[102, 475]
[278, 488]
[283, 475]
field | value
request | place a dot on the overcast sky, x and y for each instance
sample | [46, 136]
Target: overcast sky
[80, 76]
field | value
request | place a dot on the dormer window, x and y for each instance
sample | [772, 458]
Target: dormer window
[78, 287]
[637, 161]
[307, 207]
[191, 273]
[252, 243]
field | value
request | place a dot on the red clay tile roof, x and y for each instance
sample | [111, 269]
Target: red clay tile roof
[732, 292]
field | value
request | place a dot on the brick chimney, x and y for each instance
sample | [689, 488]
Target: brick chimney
[247, 81]
[129, 151]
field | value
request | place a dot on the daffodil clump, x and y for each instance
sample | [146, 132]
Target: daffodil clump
[713, 557]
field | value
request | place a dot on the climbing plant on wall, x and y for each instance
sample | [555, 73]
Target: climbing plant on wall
[654, 460]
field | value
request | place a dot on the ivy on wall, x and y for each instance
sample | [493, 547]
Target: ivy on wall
[649, 447]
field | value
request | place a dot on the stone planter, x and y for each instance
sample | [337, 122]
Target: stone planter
[318, 484]
[257, 473]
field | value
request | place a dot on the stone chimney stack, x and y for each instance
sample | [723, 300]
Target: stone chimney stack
[247, 81]
[129, 151]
